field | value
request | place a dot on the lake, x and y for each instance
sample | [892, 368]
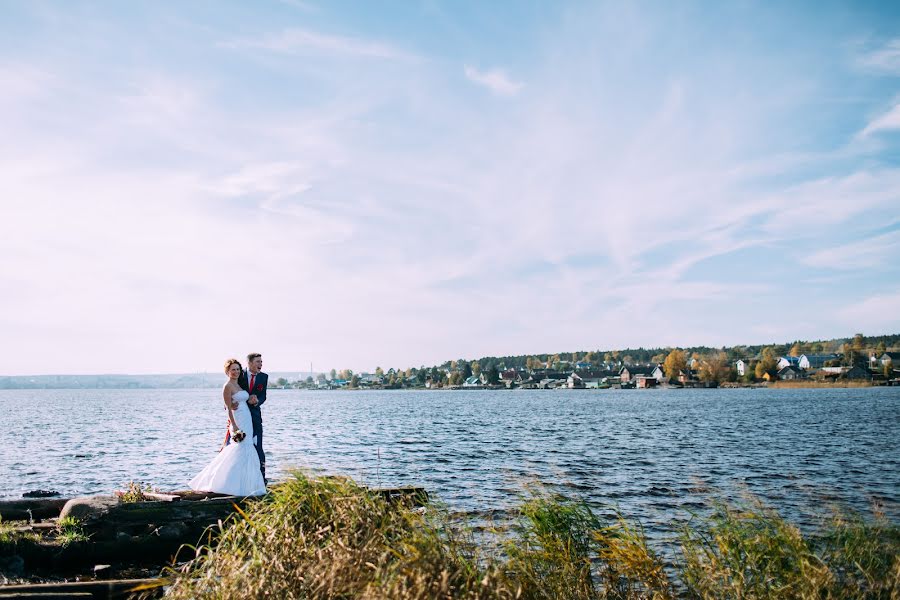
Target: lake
[656, 454]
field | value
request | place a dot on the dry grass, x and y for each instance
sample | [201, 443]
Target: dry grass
[754, 553]
[330, 538]
[813, 383]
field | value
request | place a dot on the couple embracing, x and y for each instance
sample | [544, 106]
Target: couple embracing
[240, 467]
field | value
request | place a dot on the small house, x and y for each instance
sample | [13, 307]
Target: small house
[645, 382]
[575, 382]
[856, 372]
[816, 361]
[473, 381]
[890, 357]
[745, 365]
[788, 361]
[791, 372]
[627, 373]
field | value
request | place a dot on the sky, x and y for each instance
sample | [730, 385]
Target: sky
[401, 183]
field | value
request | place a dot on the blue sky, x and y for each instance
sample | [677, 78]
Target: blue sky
[362, 184]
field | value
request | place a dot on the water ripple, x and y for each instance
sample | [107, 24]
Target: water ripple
[652, 454]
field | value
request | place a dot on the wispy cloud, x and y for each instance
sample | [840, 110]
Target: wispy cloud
[161, 99]
[867, 254]
[887, 121]
[626, 203]
[876, 312]
[885, 59]
[300, 4]
[496, 80]
[269, 179]
[822, 203]
[297, 41]
[22, 80]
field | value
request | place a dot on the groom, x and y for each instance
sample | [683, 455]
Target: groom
[254, 381]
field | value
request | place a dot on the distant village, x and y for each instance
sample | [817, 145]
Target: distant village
[676, 370]
[855, 361]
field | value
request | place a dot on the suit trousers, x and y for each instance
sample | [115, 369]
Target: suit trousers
[256, 415]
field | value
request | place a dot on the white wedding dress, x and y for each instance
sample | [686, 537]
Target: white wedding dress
[235, 470]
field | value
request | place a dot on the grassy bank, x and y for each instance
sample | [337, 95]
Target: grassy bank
[330, 538]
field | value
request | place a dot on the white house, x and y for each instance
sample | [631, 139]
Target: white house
[473, 381]
[815, 361]
[744, 366]
[788, 361]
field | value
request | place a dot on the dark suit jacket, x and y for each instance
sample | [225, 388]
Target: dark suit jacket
[260, 384]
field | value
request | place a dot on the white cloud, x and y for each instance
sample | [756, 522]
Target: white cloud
[161, 99]
[270, 179]
[496, 80]
[299, 4]
[297, 40]
[877, 312]
[888, 121]
[886, 58]
[825, 202]
[867, 254]
[392, 200]
[23, 81]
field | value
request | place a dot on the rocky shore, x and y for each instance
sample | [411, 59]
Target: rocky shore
[104, 546]
[90, 539]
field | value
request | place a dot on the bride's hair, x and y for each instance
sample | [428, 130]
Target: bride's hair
[232, 361]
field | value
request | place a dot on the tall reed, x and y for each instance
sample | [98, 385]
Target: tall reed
[331, 538]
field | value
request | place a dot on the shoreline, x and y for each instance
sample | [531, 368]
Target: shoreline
[697, 386]
[796, 383]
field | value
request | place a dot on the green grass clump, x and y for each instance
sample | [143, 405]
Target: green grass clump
[11, 537]
[135, 492]
[8, 537]
[330, 538]
[69, 531]
[7, 532]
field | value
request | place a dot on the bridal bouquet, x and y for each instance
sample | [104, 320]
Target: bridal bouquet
[238, 436]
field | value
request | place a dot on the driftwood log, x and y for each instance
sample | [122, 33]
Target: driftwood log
[76, 589]
[136, 533]
[31, 509]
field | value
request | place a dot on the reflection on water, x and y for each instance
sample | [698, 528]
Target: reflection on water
[654, 453]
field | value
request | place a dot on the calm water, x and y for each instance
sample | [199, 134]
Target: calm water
[654, 453]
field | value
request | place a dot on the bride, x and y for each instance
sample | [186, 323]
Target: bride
[235, 470]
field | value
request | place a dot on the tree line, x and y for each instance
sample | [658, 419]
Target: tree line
[716, 364]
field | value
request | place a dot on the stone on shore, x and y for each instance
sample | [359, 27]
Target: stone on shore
[88, 507]
[41, 494]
